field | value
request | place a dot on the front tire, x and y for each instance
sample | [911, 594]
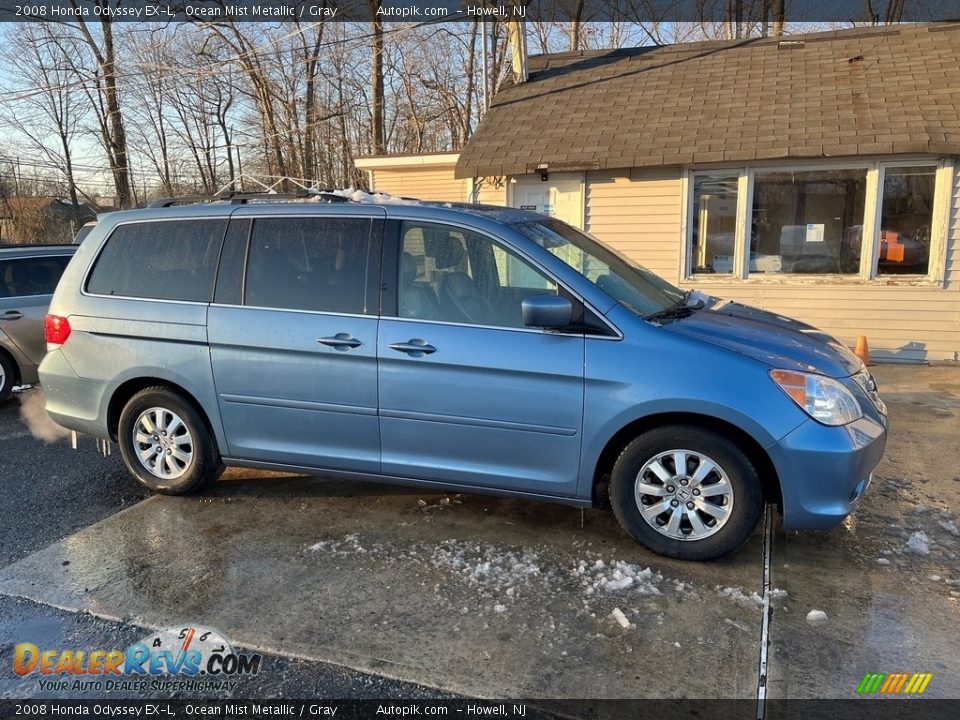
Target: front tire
[166, 444]
[686, 492]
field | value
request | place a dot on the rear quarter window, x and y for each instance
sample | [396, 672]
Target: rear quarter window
[164, 260]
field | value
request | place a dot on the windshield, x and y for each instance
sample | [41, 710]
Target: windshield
[634, 287]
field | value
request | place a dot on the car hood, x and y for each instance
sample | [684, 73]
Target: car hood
[770, 338]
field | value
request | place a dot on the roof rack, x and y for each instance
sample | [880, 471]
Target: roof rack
[241, 198]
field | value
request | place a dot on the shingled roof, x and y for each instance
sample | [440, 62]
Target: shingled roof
[866, 91]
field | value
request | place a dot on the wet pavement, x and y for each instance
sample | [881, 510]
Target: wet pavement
[495, 597]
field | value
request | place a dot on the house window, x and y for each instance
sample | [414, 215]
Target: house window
[714, 223]
[906, 217]
[869, 220]
[807, 222]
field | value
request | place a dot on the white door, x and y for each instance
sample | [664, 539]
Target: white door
[560, 196]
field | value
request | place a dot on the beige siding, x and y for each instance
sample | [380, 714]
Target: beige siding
[952, 266]
[424, 183]
[642, 217]
[491, 191]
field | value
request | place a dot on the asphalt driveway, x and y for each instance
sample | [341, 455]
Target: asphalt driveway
[492, 597]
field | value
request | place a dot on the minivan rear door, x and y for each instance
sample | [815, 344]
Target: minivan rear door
[469, 395]
[293, 334]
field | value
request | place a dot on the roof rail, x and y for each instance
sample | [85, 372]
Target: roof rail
[243, 197]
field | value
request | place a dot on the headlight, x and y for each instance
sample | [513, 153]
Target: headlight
[866, 381]
[825, 400]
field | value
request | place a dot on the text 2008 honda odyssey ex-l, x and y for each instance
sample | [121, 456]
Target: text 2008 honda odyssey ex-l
[469, 348]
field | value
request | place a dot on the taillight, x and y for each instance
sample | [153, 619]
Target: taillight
[56, 329]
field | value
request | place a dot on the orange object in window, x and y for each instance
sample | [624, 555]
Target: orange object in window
[891, 249]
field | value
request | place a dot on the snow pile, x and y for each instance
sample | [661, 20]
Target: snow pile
[737, 594]
[361, 196]
[616, 577]
[486, 564]
[919, 543]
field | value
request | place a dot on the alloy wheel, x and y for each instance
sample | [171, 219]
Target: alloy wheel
[163, 443]
[684, 495]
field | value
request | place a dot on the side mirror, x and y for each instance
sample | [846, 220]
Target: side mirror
[551, 312]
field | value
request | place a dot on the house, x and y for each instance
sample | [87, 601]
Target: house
[813, 175]
[42, 219]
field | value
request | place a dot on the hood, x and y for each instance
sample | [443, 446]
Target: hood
[773, 339]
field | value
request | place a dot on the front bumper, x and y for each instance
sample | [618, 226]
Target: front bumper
[824, 471]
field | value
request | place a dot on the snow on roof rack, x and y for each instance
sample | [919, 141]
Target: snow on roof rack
[244, 197]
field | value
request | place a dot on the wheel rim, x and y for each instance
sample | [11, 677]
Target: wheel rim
[3, 378]
[684, 495]
[163, 443]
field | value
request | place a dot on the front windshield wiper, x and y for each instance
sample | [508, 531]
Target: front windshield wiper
[678, 310]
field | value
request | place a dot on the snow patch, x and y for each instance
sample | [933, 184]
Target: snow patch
[919, 543]
[620, 618]
[486, 564]
[738, 595]
[348, 545]
[361, 196]
[951, 527]
[616, 577]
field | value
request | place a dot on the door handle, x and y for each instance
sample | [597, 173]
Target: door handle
[12, 315]
[415, 347]
[340, 341]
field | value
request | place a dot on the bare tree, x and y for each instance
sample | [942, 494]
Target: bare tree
[111, 118]
[378, 106]
[50, 118]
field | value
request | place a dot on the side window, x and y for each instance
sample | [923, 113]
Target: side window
[450, 274]
[165, 260]
[317, 264]
[31, 276]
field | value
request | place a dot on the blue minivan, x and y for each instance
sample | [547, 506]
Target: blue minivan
[452, 347]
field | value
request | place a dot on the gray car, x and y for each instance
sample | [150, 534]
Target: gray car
[28, 277]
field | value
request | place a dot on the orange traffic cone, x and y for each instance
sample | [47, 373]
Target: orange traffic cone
[862, 350]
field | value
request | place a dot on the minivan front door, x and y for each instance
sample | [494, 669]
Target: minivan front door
[467, 394]
[293, 347]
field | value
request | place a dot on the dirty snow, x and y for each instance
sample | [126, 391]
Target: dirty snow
[348, 545]
[616, 577]
[951, 527]
[919, 543]
[485, 564]
[737, 594]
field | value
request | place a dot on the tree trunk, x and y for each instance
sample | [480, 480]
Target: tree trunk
[378, 111]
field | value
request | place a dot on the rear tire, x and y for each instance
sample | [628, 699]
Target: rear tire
[7, 376]
[686, 492]
[166, 444]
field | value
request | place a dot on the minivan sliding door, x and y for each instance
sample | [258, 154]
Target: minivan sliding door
[293, 335]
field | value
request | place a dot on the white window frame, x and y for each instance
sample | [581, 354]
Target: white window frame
[873, 205]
